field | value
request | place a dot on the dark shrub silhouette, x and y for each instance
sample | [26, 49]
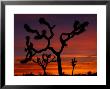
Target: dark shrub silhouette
[87, 74]
[43, 62]
[29, 74]
[78, 28]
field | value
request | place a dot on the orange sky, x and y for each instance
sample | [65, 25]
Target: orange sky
[81, 67]
[83, 46]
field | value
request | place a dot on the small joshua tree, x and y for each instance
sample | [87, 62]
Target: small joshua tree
[43, 62]
[73, 64]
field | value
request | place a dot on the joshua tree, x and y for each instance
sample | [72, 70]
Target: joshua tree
[43, 62]
[78, 28]
[73, 64]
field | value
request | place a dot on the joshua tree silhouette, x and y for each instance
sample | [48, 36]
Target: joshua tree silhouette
[43, 62]
[78, 28]
[73, 64]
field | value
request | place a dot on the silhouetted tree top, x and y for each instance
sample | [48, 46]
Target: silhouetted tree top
[45, 59]
[42, 35]
[43, 62]
[74, 61]
[78, 28]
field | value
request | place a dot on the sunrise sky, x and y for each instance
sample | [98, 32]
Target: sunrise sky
[83, 46]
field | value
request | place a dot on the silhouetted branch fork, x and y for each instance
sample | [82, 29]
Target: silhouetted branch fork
[30, 30]
[39, 61]
[52, 49]
[74, 62]
[51, 31]
[81, 28]
[44, 60]
[43, 21]
[78, 28]
[39, 51]
[39, 36]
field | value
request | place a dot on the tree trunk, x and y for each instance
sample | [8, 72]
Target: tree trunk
[72, 71]
[59, 64]
[45, 72]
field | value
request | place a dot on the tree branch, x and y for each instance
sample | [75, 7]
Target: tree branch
[78, 29]
[52, 49]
